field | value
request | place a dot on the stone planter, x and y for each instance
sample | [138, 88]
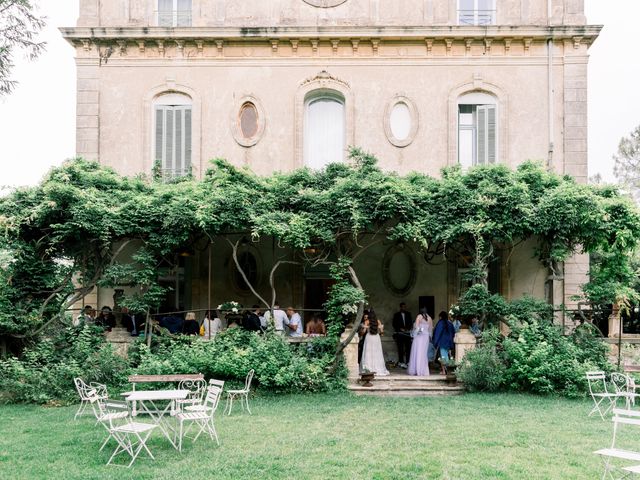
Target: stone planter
[451, 378]
[365, 379]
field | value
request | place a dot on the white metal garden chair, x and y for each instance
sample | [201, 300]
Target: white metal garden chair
[197, 389]
[620, 417]
[131, 437]
[202, 407]
[242, 395]
[625, 388]
[104, 409]
[603, 399]
[201, 415]
[85, 392]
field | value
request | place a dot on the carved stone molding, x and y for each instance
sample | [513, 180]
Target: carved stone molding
[323, 79]
[325, 3]
[415, 120]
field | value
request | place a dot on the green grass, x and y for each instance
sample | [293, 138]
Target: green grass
[332, 436]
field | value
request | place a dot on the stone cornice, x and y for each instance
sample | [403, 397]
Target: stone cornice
[586, 34]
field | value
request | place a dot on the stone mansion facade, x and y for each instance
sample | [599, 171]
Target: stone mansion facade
[278, 84]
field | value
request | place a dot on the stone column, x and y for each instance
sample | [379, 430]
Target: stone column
[351, 354]
[465, 341]
[614, 322]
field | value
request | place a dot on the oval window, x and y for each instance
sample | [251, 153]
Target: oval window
[400, 121]
[248, 120]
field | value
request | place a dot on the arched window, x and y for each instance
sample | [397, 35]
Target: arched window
[174, 13]
[477, 129]
[324, 128]
[172, 134]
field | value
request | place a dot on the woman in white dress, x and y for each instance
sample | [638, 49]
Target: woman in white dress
[372, 356]
[211, 327]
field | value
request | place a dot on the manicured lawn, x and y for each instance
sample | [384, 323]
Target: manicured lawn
[332, 436]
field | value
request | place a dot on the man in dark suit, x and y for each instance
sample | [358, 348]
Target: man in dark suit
[402, 325]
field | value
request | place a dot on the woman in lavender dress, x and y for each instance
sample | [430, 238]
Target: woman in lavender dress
[418, 361]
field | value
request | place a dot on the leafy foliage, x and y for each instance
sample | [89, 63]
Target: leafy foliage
[83, 215]
[627, 163]
[534, 357]
[45, 372]
[19, 26]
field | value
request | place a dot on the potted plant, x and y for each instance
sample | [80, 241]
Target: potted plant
[365, 378]
[231, 311]
[450, 368]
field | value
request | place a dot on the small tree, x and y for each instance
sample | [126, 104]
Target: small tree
[627, 163]
[19, 26]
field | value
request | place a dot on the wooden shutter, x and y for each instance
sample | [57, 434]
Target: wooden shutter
[187, 139]
[491, 133]
[184, 13]
[159, 140]
[169, 134]
[179, 147]
[165, 13]
[481, 157]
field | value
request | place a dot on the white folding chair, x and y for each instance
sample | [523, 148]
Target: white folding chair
[603, 399]
[242, 395]
[104, 409]
[620, 417]
[131, 437]
[85, 392]
[201, 415]
[196, 389]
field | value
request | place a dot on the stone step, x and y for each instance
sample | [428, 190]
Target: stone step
[400, 384]
[407, 391]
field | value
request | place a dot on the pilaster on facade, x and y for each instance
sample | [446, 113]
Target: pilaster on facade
[88, 109]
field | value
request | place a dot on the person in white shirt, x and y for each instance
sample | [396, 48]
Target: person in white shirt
[87, 316]
[293, 323]
[279, 318]
[211, 327]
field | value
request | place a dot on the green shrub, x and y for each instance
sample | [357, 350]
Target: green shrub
[279, 366]
[45, 371]
[535, 357]
[483, 368]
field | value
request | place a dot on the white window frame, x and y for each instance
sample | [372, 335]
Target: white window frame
[483, 105]
[179, 163]
[177, 15]
[315, 96]
[476, 14]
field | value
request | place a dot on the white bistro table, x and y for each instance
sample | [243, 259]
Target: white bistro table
[147, 400]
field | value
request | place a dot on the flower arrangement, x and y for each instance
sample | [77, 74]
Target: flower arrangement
[455, 311]
[233, 307]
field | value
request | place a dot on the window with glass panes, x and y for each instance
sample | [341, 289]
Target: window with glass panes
[477, 132]
[174, 13]
[476, 12]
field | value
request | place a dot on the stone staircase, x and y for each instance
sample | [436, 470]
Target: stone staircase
[403, 385]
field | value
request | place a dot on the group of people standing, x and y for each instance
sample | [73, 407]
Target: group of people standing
[286, 322]
[417, 340]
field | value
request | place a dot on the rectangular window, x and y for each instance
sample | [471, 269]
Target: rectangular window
[174, 13]
[173, 140]
[477, 132]
[476, 12]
